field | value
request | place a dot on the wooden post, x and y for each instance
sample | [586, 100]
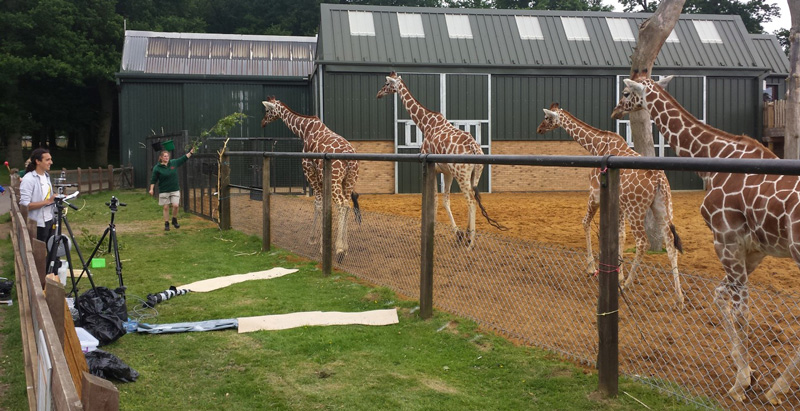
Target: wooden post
[110, 177]
[99, 394]
[225, 193]
[266, 195]
[427, 240]
[327, 220]
[90, 180]
[54, 295]
[608, 299]
[80, 179]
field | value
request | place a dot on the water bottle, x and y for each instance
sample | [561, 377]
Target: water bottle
[63, 270]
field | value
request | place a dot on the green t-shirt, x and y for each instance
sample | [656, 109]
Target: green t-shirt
[167, 175]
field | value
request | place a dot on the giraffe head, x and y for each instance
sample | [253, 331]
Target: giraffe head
[392, 85]
[633, 95]
[550, 121]
[271, 106]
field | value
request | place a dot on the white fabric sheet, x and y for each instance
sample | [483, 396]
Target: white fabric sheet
[293, 320]
[212, 284]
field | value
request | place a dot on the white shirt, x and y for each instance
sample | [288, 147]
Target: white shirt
[44, 182]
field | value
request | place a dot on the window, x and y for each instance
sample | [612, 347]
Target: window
[410, 25]
[575, 29]
[529, 28]
[361, 23]
[707, 31]
[458, 26]
[620, 29]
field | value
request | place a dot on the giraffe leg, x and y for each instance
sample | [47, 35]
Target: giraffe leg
[470, 195]
[448, 181]
[341, 238]
[621, 250]
[640, 236]
[591, 210]
[672, 254]
[792, 371]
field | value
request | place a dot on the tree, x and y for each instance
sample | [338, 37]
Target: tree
[792, 132]
[753, 12]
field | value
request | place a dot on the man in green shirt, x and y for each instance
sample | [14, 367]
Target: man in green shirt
[165, 173]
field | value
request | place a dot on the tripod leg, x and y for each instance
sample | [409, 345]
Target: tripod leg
[85, 268]
[118, 264]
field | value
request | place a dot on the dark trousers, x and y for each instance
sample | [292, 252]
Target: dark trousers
[43, 233]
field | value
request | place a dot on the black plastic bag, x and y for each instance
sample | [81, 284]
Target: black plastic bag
[106, 365]
[102, 313]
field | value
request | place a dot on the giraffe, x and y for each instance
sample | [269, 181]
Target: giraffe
[317, 138]
[441, 137]
[639, 191]
[750, 215]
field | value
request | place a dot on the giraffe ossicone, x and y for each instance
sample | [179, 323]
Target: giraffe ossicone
[639, 191]
[441, 137]
[750, 216]
[318, 138]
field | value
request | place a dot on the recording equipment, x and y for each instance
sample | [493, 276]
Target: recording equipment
[111, 232]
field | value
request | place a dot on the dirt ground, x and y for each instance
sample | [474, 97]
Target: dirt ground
[555, 217]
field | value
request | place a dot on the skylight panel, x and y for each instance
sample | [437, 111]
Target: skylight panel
[458, 26]
[620, 29]
[361, 23]
[575, 28]
[529, 28]
[707, 31]
[410, 25]
[673, 37]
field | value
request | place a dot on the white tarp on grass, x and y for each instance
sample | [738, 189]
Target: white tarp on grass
[293, 320]
[212, 284]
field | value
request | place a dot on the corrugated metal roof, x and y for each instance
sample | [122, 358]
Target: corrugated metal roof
[217, 54]
[771, 53]
[496, 40]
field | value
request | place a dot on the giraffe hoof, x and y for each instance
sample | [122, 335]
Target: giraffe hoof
[340, 256]
[463, 238]
[736, 394]
[772, 397]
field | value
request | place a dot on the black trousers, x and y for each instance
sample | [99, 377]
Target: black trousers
[43, 233]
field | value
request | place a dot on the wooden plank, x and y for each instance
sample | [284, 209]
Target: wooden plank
[54, 295]
[39, 249]
[30, 358]
[98, 394]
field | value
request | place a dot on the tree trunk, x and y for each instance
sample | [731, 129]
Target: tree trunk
[14, 150]
[106, 90]
[791, 145]
[652, 35]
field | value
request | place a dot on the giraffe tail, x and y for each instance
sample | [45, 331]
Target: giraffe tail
[356, 209]
[678, 242]
[491, 221]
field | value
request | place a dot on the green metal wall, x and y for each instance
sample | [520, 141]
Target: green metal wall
[517, 103]
[148, 108]
[733, 104]
[351, 109]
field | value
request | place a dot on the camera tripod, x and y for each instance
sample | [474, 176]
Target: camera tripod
[59, 243]
[111, 232]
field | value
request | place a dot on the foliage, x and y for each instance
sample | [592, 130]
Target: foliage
[783, 39]
[753, 12]
[221, 129]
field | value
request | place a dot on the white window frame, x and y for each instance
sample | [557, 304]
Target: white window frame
[707, 31]
[620, 29]
[410, 25]
[661, 144]
[529, 28]
[575, 28]
[458, 26]
[361, 23]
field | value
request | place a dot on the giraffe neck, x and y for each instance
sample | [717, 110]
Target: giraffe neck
[596, 141]
[426, 120]
[301, 125]
[690, 137]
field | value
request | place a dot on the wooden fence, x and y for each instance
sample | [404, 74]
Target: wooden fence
[774, 116]
[56, 371]
[99, 179]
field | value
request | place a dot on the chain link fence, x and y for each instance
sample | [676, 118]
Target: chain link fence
[538, 294]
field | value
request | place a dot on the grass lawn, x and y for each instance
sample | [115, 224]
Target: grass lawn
[444, 363]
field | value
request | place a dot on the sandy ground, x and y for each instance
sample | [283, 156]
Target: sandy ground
[556, 218]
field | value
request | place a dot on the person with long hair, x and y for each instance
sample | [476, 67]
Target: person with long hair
[36, 192]
[165, 173]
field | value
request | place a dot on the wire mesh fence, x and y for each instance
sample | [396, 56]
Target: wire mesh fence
[539, 294]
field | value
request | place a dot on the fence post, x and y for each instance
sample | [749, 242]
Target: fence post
[327, 226]
[89, 170]
[185, 174]
[266, 195]
[224, 192]
[110, 177]
[427, 240]
[608, 299]
[80, 178]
